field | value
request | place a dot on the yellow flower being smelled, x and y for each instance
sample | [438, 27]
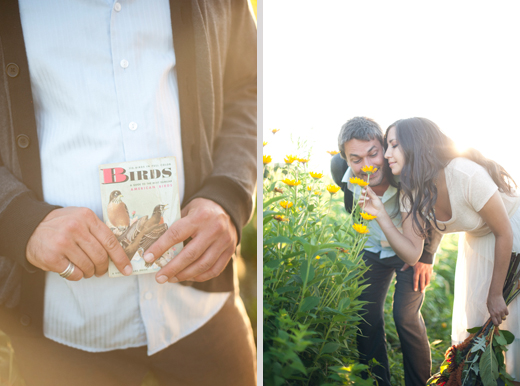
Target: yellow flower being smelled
[360, 228]
[274, 131]
[332, 152]
[267, 159]
[303, 160]
[358, 181]
[286, 204]
[369, 169]
[315, 175]
[367, 216]
[333, 189]
[291, 182]
[265, 143]
[289, 159]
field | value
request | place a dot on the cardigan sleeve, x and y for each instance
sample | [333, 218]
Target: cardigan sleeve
[233, 179]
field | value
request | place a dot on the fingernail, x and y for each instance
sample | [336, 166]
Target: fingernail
[162, 279]
[173, 280]
[128, 270]
[149, 257]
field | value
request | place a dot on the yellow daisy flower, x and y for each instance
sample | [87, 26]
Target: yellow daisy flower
[317, 193]
[274, 131]
[309, 188]
[360, 228]
[286, 204]
[333, 152]
[359, 181]
[303, 160]
[265, 143]
[318, 257]
[369, 169]
[315, 175]
[367, 216]
[267, 159]
[333, 189]
[291, 182]
[289, 159]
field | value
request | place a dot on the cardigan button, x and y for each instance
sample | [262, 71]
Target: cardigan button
[25, 320]
[23, 141]
[12, 70]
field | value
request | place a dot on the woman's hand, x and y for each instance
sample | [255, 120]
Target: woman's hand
[371, 203]
[497, 308]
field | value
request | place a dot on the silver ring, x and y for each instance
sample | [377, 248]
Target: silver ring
[68, 271]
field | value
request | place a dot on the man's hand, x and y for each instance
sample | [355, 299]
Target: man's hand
[421, 275]
[214, 240]
[76, 235]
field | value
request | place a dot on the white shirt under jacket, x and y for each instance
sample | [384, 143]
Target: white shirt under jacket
[105, 90]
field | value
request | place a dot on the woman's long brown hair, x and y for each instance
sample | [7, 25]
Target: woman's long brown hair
[427, 150]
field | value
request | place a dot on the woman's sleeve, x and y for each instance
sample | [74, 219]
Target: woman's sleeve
[480, 188]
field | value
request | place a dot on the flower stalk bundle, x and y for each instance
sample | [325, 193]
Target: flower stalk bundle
[479, 360]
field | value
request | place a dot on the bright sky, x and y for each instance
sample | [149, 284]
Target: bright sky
[456, 63]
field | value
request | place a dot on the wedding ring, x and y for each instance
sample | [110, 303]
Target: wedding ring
[503, 318]
[68, 271]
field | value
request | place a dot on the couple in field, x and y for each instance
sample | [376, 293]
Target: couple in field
[424, 188]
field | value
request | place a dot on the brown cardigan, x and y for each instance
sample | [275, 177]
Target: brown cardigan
[215, 47]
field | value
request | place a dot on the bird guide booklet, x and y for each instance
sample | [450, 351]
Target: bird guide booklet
[140, 201]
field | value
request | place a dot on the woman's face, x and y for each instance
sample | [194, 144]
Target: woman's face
[393, 154]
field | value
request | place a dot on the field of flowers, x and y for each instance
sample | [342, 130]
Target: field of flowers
[312, 279]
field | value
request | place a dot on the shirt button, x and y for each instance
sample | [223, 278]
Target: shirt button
[23, 141]
[12, 70]
[117, 7]
[132, 126]
[148, 296]
[124, 63]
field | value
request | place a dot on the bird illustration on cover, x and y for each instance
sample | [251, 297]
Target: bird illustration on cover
[138, 234]
[117, 211]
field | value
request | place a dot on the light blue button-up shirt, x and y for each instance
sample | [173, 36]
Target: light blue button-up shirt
[105, 90]
[377, 242]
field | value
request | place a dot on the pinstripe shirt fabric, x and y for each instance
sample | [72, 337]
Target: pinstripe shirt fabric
[105, 90]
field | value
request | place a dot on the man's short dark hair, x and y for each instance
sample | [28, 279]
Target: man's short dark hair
[360, 128]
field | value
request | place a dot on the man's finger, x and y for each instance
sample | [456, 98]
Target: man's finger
[190, 254]
[96, 254]
[405, 267]
[109, 242]
[209, 265]
[179, 231]
[76, 275]
[423, 282]
[415, 280]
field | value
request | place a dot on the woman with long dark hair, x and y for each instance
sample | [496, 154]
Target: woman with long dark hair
[454, 191]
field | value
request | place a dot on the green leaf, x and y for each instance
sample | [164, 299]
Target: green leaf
[306, 267]
[285, 289]
[268, 215]
[473, 330]
[309, 303]
[508, 335]
[310, 208]
[500, 339]
[480, 344]
[489, 367]
[330, 348]
[274, 263]
[278, 239]
[343, 303]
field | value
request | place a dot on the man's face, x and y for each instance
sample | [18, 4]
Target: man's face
[369, 153]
